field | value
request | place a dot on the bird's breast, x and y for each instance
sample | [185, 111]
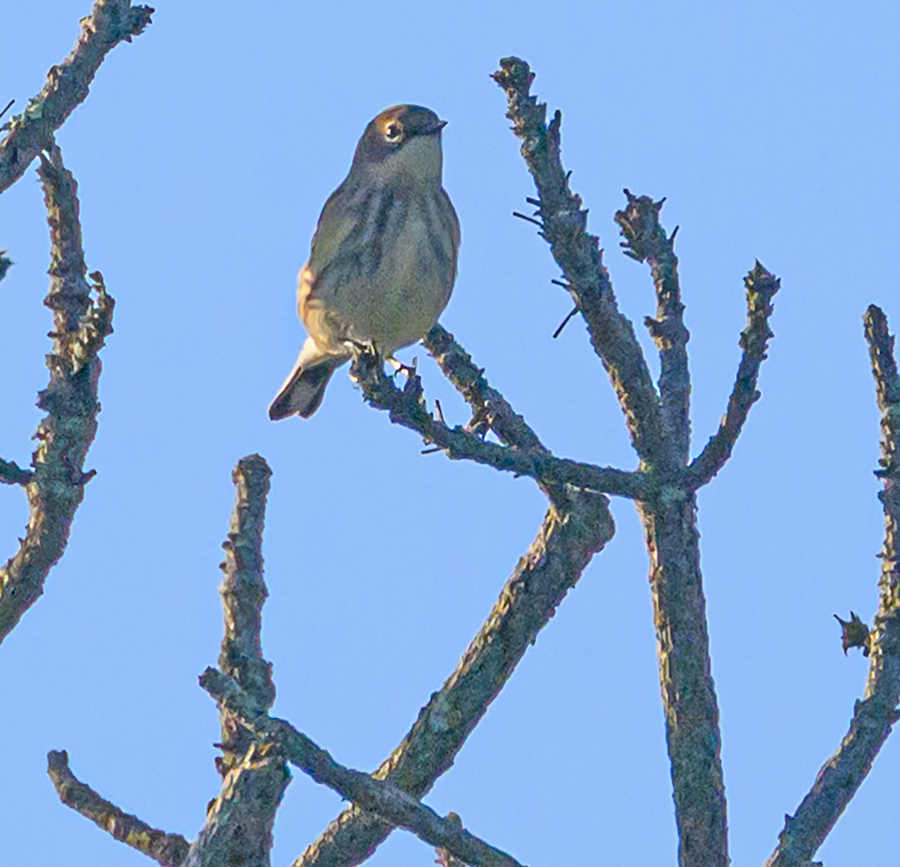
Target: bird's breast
[392, 277]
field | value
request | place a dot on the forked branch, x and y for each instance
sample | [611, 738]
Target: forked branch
[659, 425]
[578, 254]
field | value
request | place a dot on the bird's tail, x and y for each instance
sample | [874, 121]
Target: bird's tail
[304, 388]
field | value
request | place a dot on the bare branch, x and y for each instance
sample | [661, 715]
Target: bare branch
[238, 828]
[81, 326]
[666, 505]
[693, 738]
[243, 594]
[578, 254]
[239, 822]
[391, 803]
[761, 288]
[170, 850]
[490, 409]
[874, 716]
[110, 22]
[572, 532]
[407, 408]
[646, 240]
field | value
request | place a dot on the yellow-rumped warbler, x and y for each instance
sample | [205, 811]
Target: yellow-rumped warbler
[383, 257]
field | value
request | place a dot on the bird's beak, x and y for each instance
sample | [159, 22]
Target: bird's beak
[435, 128]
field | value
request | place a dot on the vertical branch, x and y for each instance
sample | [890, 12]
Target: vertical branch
[646, 240]
[688, 692]
[873, 717]
[884, 368]
[56, 487]
[239, 822]
[244, 593]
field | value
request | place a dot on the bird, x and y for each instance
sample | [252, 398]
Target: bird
[383, 257]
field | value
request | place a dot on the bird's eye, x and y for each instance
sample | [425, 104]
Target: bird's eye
[393, 132]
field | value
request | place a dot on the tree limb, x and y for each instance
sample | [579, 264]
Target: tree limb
[761, 288]
[390, 802]
[576, 527]
[244, 593]
[693, 738]
[170, 850]
[490, 409]
[646, 240]
[56, 487]
[571, 534]
[578, 254]
[874, 716]
[667, 506]
[110, 22]
[406, 407]
[238, 828]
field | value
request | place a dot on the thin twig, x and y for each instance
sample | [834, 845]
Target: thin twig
[391, 803]
[110, 22]
[761, 288]
[528, 219]
[565, 322]
[80, 327]
[874, 716]
[170, 850]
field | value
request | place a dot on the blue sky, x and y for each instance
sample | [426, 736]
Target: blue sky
[204, 153]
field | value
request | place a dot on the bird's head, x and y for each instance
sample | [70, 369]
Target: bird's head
[402, 144]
